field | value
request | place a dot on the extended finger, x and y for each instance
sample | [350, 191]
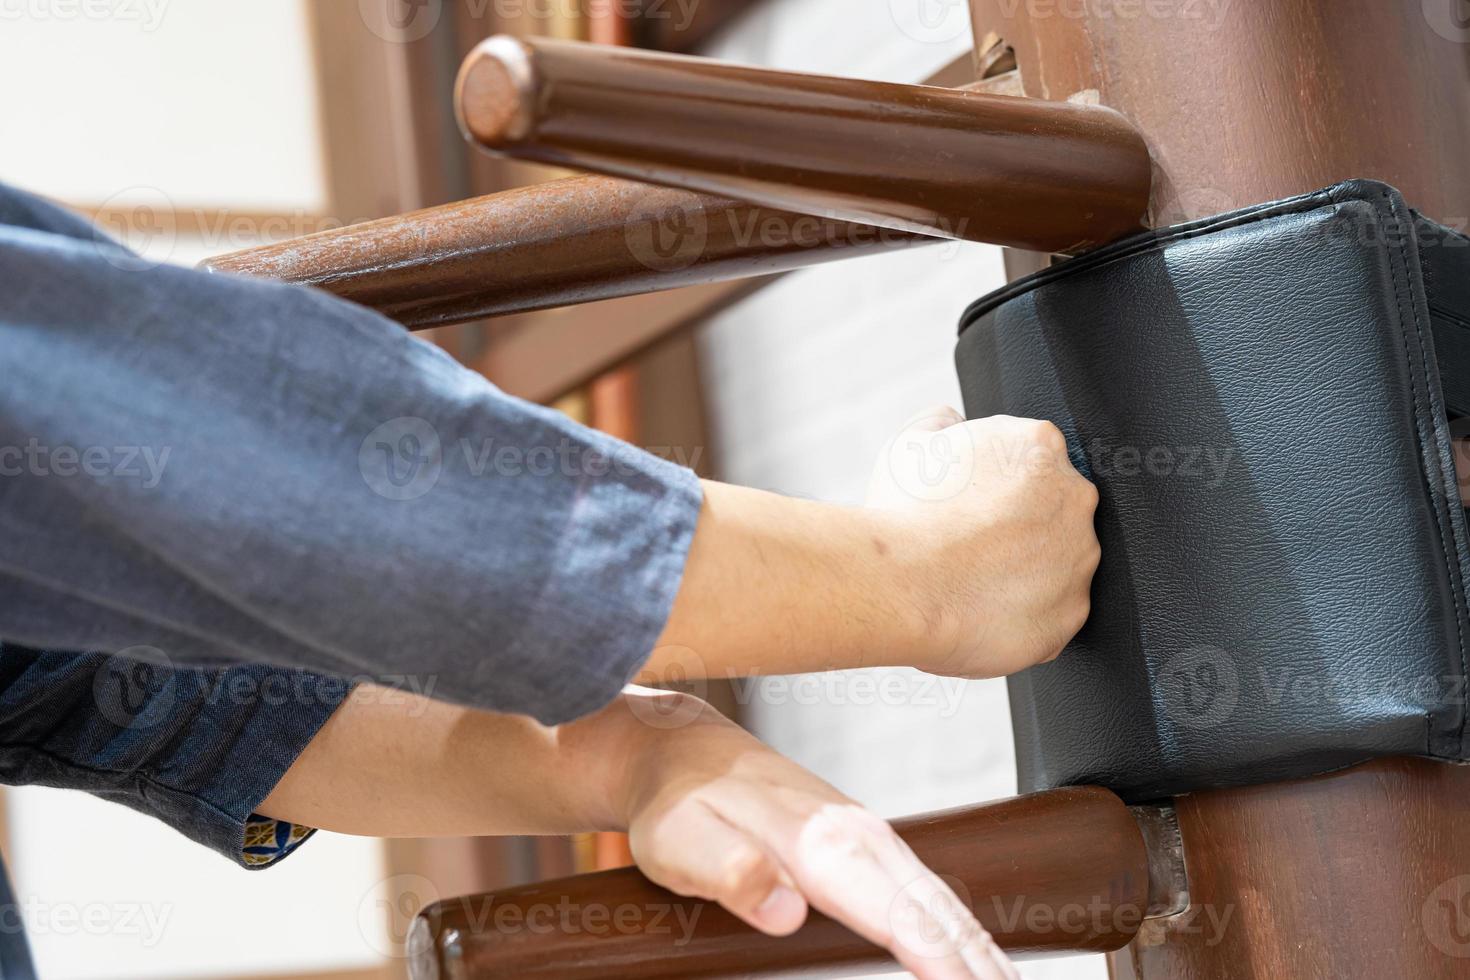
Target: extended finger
[705, 856]
[845, 858]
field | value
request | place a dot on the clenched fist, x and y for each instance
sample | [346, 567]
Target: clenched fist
[1002, 529]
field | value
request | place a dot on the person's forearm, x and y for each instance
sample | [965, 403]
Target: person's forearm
[973, 558]
[780, 585]
[711, 812]
[391, 764]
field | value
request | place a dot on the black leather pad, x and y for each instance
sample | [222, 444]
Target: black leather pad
[1258, 398]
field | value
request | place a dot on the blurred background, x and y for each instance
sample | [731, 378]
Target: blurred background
[192, 129]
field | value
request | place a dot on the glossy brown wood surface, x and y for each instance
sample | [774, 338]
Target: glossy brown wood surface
[573, 241]
[1361, 873]
[1248, 102]
[554, 244]
[1050, 176]
[1054, 872]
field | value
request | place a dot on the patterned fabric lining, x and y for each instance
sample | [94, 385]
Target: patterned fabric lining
[267, 840]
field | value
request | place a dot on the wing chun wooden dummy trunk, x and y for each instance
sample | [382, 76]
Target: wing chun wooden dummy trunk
[1246, 767]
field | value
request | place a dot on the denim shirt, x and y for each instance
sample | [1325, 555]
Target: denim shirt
[197, 748]
[230, 470]
[219, 487]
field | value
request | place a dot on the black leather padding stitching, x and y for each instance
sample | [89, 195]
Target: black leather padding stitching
[1431, 457]
[1151, 241]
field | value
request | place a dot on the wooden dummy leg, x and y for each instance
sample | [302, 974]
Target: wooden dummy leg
[1363, 873]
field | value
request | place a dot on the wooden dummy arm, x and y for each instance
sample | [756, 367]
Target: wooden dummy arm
[1061, 871]
[554, 244]
[765, 150]
[1047, 176]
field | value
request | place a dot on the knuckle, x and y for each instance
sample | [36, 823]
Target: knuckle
[839, 836]
[1007, 429]
[1044, 648]
[682, 884]
[831, 838]
[672, 878]
[1082, 613]
[1091, 496]
[745, 873]
[1047, 434]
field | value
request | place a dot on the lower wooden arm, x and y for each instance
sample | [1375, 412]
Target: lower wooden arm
[1055, 872]
[554, 244]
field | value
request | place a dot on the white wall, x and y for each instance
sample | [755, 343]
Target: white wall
[213, 104]
[809, 378]
[108, 893]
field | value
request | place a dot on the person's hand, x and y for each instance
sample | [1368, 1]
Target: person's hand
[714, 813]
[1002, 525]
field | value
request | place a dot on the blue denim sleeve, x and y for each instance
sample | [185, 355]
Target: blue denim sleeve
[198, 749]
[237, 471]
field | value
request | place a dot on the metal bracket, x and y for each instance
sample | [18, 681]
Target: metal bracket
[1168, 879]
